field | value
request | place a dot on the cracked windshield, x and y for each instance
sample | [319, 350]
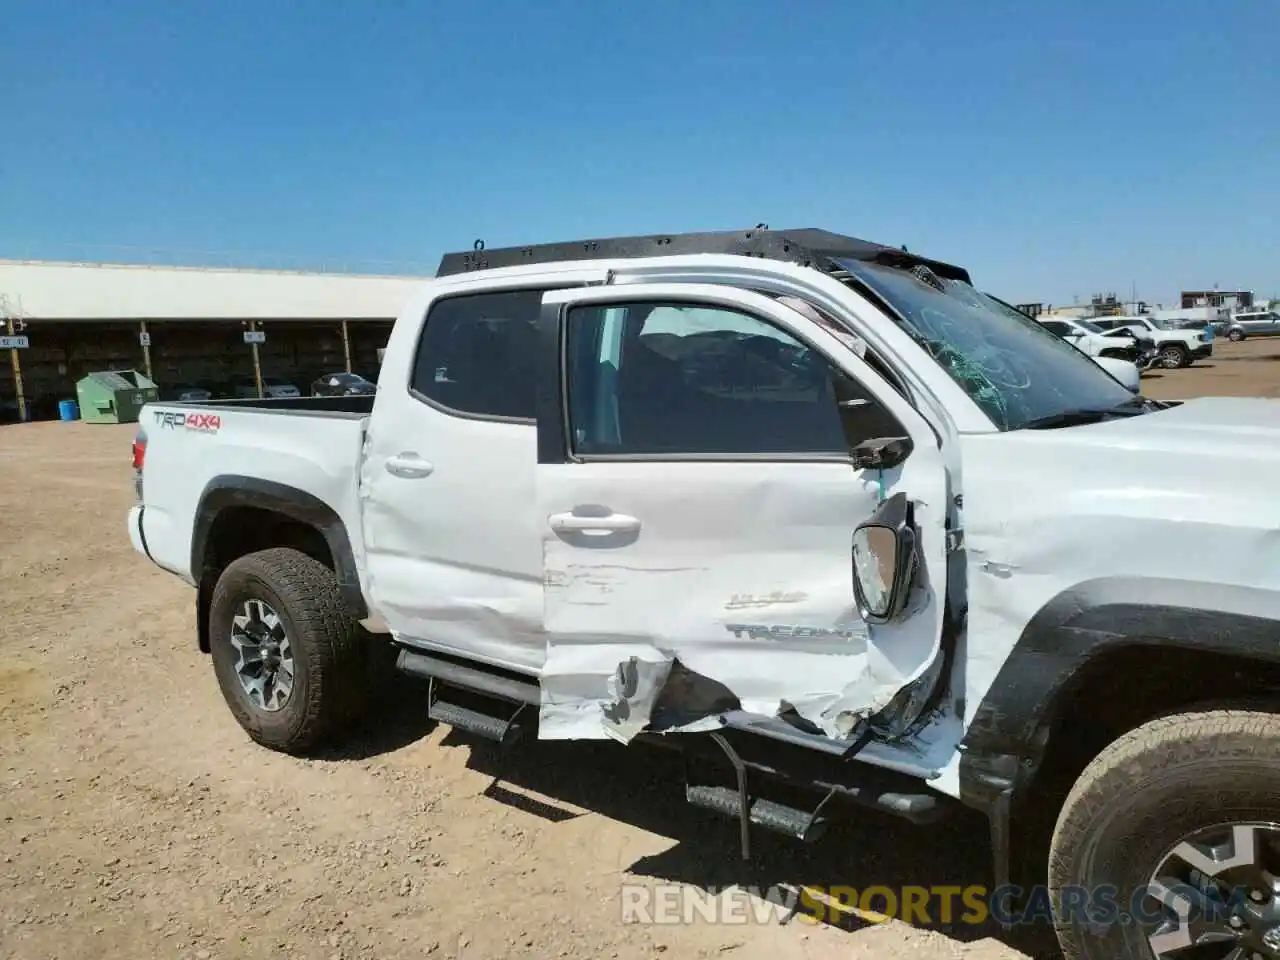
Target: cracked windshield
[1012, 367]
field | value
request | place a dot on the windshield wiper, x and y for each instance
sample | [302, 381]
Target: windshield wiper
[1083, 415]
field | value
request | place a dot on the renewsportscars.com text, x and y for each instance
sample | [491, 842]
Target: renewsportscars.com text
[943, 905]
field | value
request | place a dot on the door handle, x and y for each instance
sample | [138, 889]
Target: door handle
[576, 523]
[408, 466]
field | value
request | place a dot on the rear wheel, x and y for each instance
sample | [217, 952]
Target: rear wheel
[288, 659]
[1177, 826]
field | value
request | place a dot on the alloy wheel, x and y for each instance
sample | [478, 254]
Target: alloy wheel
[1217, 894]
[264, 657]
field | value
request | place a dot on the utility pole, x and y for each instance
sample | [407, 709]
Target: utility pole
[15, 327]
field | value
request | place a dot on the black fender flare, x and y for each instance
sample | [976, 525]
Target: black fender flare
[233, 490]
[1005, 743]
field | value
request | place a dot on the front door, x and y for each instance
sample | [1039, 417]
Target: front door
[698, 500]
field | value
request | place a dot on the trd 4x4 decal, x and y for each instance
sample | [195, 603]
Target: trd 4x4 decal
[199, 422]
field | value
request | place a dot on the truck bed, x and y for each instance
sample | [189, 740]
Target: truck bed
[303, 449]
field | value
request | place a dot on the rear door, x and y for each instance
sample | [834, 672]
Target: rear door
[451, 538]
[697, 500]
[1261, 324]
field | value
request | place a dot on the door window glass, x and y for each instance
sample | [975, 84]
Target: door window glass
[670, 378]
[476, 354]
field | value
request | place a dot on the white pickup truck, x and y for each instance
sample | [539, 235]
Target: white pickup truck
[812, 510]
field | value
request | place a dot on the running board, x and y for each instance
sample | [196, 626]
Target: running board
[776, 817]
[476, 722]
[869, 787]
[477, 679]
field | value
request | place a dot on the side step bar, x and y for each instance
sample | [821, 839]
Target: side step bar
[763, 813]
[497, 700]
[492, 683]
[474, 721]
[873, 788]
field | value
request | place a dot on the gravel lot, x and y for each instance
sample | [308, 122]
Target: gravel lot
[137, 821]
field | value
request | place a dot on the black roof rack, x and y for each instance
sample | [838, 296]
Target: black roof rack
[809, 246]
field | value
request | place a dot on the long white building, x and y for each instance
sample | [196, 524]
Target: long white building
[183, 325]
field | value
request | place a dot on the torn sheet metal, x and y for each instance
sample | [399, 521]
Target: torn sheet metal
[736, 594]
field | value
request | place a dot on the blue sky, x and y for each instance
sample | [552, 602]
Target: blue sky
[1055, 149]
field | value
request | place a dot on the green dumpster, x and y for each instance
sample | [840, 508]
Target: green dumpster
[114, 396]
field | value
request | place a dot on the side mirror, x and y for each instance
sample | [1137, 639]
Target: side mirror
[885, 560]
[881, 453]
[862, 418]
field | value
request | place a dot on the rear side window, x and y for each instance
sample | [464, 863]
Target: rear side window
[476, 354]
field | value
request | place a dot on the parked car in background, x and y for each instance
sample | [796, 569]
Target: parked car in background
[342, 384]
[1146, 345]
[1174, 348]
[187, 393]
[1256, 323]
[218, 389]
[246, 388]
[1128, 372]
[1190, 323]
[1096, 342]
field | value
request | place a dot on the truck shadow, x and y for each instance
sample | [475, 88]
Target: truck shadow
[643, 786]
[397, 719]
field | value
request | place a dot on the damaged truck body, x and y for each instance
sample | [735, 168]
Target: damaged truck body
[812, 510]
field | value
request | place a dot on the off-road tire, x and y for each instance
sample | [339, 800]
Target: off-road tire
[1173, 355]
[332, 668]
[1146, 792]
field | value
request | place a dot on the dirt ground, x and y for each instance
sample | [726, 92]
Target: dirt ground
[137, 821]
[1248, 369]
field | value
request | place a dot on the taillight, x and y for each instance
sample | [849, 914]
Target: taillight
[139, 455]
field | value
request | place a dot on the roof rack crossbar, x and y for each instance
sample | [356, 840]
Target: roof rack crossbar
[809, 247]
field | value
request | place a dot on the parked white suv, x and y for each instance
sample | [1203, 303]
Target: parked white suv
[810, 510]
[1174, 348]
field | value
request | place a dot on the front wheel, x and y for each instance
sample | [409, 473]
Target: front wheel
[1235, 336]
[1176, 826]
[1173, 356]
[288, 658]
